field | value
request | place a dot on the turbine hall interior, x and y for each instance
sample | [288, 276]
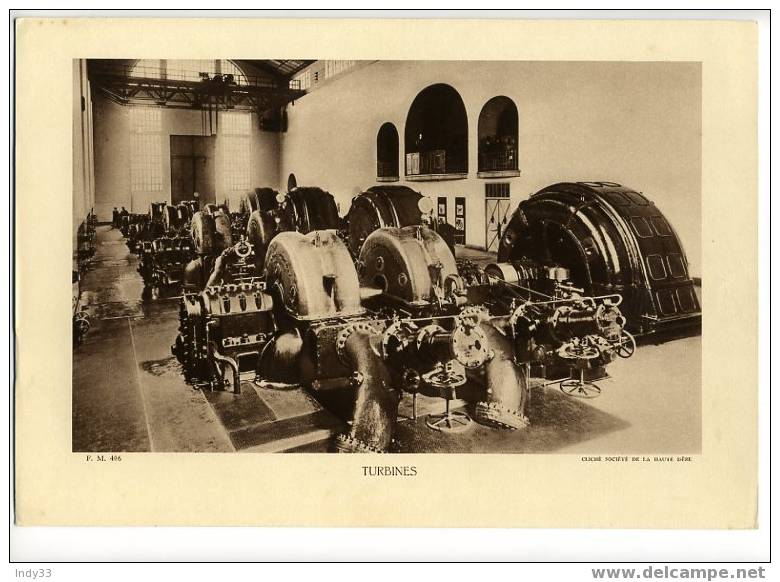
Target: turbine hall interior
[318, 256]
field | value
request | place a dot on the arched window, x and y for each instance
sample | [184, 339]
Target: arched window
[149, 69]
[436, 133]
[291, 182]
[387, 153]
[497, 134]
[187, 70]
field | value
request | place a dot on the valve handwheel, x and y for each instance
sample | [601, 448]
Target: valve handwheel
[82, 321]
[449, 421]
[446, 378]
[578, 351]
[626, 345]
[578, 386]
[243, 249]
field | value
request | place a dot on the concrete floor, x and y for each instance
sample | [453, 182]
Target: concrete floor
[129, 395]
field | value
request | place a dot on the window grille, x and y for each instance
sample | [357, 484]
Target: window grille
[497, 190]
[234, 150]
[304, 80]
[336, 67]
[186, 69]
[235, 123]
[145, 149]
[146, 119]
[149, 68]
[190, 69]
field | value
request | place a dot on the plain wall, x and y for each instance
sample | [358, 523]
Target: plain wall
[635, 123]
[112, 159]
[83, 169]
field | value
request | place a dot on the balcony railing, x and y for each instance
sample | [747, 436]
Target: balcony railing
[434, 162]
[498, 161]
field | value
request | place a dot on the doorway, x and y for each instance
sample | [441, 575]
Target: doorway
[496, 211]
[193, 168]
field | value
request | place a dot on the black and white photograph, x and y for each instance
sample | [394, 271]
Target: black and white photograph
[364, 287]
[387, 256]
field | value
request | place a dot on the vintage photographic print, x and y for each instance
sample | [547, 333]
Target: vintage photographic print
[397, 256]
[472, 252]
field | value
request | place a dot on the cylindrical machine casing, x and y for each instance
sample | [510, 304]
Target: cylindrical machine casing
[407, 263]
[313, 274]
[311, 209]
[203, 231]
[380, 207]
[612, 239]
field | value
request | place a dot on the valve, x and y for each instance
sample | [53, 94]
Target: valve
[242, 249]
[580, 351]
[445, 376]
[626, 345]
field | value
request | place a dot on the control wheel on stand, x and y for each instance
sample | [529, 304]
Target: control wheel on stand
[580, 353]
[449, 421]
[626, 345]
[445, 378]
[580, 387]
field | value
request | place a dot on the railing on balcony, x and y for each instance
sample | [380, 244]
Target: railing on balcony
[498, 160]
[434, 162]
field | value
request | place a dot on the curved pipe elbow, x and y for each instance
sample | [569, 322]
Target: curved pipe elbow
[506, 385]
[376, 402]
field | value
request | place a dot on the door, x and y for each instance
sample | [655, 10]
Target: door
[193, 168]
[496, 210]
[182, 178]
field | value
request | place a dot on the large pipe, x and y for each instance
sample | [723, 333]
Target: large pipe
[376, 401]
[506, 384]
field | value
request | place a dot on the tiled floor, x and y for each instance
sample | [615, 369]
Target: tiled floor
[129, 395]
